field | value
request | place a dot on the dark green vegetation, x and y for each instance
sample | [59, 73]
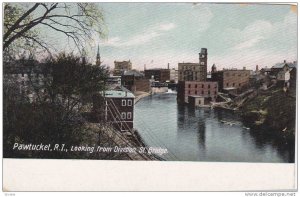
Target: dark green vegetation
[274, 110]
[49, 111]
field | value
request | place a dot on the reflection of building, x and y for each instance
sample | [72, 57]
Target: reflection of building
[119, 109]
[161, 75]
[135, 81]
[231, 80]
[194, 71]
[121, 67]
[208, 90]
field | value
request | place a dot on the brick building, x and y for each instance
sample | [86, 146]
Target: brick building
[118, 108]
[206, 89]
[231, 80]
[161, 75]
[135, 81]
[194, 71]
[121, 67]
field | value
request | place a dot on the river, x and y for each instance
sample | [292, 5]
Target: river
[199, 135]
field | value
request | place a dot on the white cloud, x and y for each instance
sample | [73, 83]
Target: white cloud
[167, 26]
[252, 34]
[143, 38]
[248, 43]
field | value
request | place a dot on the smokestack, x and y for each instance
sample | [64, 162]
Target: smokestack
[284, 61]
[168, 66]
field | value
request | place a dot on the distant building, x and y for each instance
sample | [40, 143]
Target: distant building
[194, 71]
[121, 67]
[161, 75]
[285, 66]
[213, 68]
[135, 81]
[119, 110]
[206, 89]
[232, 80]
[27, 74]
[114, 81]
[174, 75]
[98, 58]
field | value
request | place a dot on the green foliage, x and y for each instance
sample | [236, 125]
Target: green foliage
[54, 115]
[274, 109]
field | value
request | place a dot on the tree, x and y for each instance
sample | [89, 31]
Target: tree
[54, 115]
[78, 22]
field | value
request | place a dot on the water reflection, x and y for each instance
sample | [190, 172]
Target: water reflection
[199, 134]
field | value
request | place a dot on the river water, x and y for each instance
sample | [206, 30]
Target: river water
[199, 135]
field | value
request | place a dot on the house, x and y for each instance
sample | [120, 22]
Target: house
[118, 108]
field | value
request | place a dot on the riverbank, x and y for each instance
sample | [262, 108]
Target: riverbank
[273, 109]
[139, 95]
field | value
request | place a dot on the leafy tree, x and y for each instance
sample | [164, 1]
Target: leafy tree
[54, 115]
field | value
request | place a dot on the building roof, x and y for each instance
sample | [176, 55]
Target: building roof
[133, 72]
[281, 65]
[118, 94]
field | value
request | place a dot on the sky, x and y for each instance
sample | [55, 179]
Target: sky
[235, 35]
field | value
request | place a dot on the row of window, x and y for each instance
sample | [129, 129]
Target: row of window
[123, 115]
[202, 86]
[202, 92]
[126, 102]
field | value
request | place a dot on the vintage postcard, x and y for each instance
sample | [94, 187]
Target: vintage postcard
[184, 82]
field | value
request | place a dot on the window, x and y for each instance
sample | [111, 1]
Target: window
[202, 92]
[195, 92]
[227, 84]
[128, 115]
[215, 92]
[208, 92]
[129, 102]
[239, 84]
[189, 85]
[199, 102]
[196, 86]
[123, 115]
[202, 85]
[123, 102]
[189, 92]
[233, 84]
[22, 74]
[208, 86]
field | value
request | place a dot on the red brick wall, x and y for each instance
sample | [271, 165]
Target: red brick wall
[205, 89]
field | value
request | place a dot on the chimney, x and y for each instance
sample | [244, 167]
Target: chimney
[168, 66]
[284, 61]
[244, 68]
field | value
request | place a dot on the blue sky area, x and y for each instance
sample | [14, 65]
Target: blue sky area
[236, 35]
